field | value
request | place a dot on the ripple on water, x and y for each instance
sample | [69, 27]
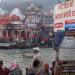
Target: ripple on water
[7, 56]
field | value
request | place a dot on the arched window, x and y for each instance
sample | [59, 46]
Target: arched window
[9, 33]
[16, 33]
[4, 33]
[23, 34]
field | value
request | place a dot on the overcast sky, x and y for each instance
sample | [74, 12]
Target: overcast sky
[12, 1]
[45, 3]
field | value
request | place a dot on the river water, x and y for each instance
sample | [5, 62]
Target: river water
[19, 55]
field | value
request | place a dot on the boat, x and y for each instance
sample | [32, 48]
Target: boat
[5, 45]
[22, 45]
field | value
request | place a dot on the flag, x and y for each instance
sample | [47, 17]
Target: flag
[59, 37]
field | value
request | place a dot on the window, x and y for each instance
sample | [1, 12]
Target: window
[4, 33]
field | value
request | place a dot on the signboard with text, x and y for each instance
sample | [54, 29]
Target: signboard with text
[62, 12]
[70, 25]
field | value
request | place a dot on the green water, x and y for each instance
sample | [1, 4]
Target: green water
[7, 56]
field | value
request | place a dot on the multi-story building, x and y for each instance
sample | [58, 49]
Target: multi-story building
[33, 18]
[6, 28]
[40, 24]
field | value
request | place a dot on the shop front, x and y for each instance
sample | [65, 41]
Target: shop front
[64, 28]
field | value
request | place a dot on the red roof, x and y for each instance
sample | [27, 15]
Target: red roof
[15, 18]
[7, 19]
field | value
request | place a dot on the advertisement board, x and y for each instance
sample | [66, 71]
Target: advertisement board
[62, 12]
[64, 20]
[70, 25]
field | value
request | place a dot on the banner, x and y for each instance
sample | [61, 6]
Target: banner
[62, 12]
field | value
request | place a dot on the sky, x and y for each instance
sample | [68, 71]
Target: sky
[47, 4]
[12, 1]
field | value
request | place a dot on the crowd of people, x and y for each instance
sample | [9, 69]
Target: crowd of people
[13, 70]
[37, 66]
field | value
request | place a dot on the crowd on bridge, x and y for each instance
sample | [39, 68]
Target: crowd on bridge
[37, 66]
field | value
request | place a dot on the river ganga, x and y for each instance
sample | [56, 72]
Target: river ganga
[20, 55]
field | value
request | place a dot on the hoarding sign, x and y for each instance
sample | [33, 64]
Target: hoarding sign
[58, 26]
[70, 25]
[63, 12]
